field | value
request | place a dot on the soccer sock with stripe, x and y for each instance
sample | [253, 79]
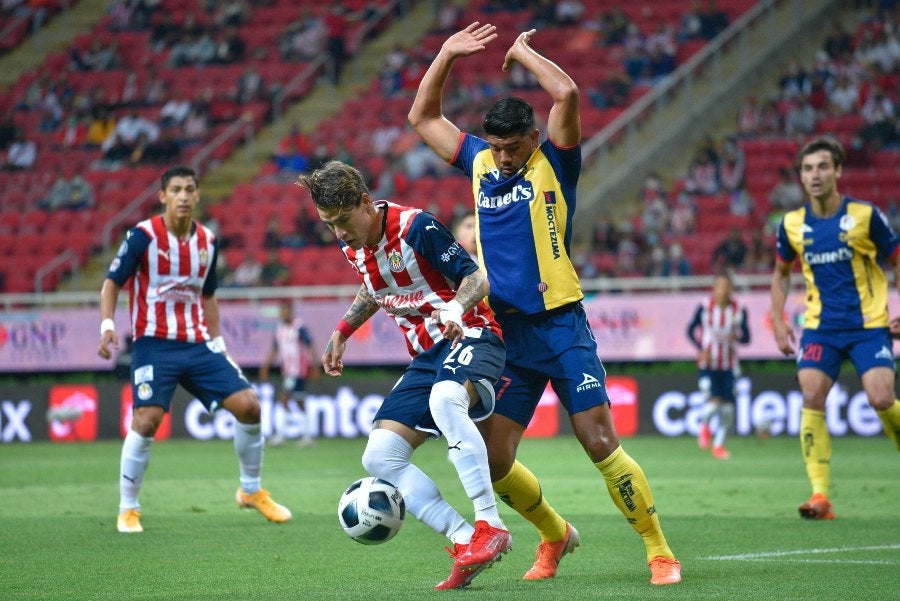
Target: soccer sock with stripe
[726, 421]
[134, 462]
[521, 490]
[815, 441]
[248, 444]
[630, 492]
[890, 419]
[449, 405]
[387, 456]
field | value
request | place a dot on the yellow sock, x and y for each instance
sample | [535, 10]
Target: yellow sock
[521, 490]
[630, 492]
[816, 443]
[890, 419]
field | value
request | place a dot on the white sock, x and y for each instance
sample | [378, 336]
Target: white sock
[134, 462]
[304, 422]
[387, 456]
[726, 420]
[449, 404]
[248, 444]
[709, 409]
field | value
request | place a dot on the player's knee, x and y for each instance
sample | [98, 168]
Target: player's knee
[244, 405]
[882, 401]
[146, 420]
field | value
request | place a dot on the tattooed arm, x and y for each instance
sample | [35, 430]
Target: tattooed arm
[363, 307]
[471, 290]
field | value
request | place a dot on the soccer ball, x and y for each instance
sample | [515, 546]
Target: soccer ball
[371, 511]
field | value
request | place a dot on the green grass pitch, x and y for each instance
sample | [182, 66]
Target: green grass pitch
[734, 526]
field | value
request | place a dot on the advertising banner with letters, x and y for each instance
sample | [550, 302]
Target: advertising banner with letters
[646, 327]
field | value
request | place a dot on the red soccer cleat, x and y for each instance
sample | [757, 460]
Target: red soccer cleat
[486, 546]
[817, 508]
[548, 555]
[720, 453]
[704, 437]
[458, 578]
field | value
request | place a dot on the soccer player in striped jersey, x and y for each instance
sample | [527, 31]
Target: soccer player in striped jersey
[411, 266]
[292, 349]
[524, 192]
[722, 325]
[170, 261]
[840, 243]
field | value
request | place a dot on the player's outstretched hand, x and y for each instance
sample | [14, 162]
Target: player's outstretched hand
[519, 46]
[470, 40]
[108, 337]
[334, 351]
[895, 327]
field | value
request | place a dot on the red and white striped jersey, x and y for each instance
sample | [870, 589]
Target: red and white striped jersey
[413, 270]
[721, 330]
[292, 342]
[169, 278]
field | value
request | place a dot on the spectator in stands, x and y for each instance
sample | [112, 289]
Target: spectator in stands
[336, 26]
[229, 48]
[250, 86]
[702, 174]
[175, 111]
[659, 62]
[568, 12]
[794, 81]
[769, 119]
[131, 90]
[68, 193]
[656, 265]
[272, 236]
[195, 126]
[129, 128]
[712, 20]
[689, 24]
[273, 272]
[22, 153]
[115, 153]
[8, 131]
[683, 216]
[232, 13]
[731, 171]
[73, 133]
[843, 98]
[613, 26]
[731, 252]
[760, 253]
[880, 127]
[51, 110]
[290, 161]
[612, 91]
[156, 88]
[800, 119]
[839, 43]
[787, 193]
[164, 33]
[749, 117]
[676, 264]
[165, 149]
[304, 39]
[249, 272]
[101, 128]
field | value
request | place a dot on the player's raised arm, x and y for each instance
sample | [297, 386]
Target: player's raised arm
[564, 121]
[363, 307]
[426, 114]
[109, 295]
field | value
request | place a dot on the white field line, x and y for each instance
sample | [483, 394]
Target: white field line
[784, 555]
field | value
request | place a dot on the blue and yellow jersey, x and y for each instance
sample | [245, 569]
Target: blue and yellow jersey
[845, 286]
[523, 225]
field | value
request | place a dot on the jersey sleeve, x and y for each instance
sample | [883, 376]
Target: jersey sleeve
[566, 162]
[469, 146]
[882, 235]
[304, 335]
[783, 246]
[433, 241]
[128, 258]
[211, 283]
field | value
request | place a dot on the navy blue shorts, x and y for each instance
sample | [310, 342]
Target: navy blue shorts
[477, 358]
[158, 365]
[826, 350]
[556, 346]
[718, 383]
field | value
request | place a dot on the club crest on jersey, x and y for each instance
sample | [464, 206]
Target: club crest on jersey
[204, 256]
[395, 261]
[847, 222]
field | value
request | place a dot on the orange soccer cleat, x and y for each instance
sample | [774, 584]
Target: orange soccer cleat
[665, 570]
[817, 508]
[720, 453]
[704, 437]
[129, 521]
[548, 555]
[262, 501]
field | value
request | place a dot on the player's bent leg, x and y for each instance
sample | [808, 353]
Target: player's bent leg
[878, 383]
[133, 464]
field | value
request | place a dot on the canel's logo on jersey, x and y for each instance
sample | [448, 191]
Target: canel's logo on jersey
[832, 256]
[550, 204]
[395, 261]
[521, 191]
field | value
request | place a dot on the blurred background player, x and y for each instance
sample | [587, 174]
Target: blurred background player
[170, 260]
[412, 267]
[524, 186]
[464, 231]
[293, 350]
[722, 325]
[840, 242]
